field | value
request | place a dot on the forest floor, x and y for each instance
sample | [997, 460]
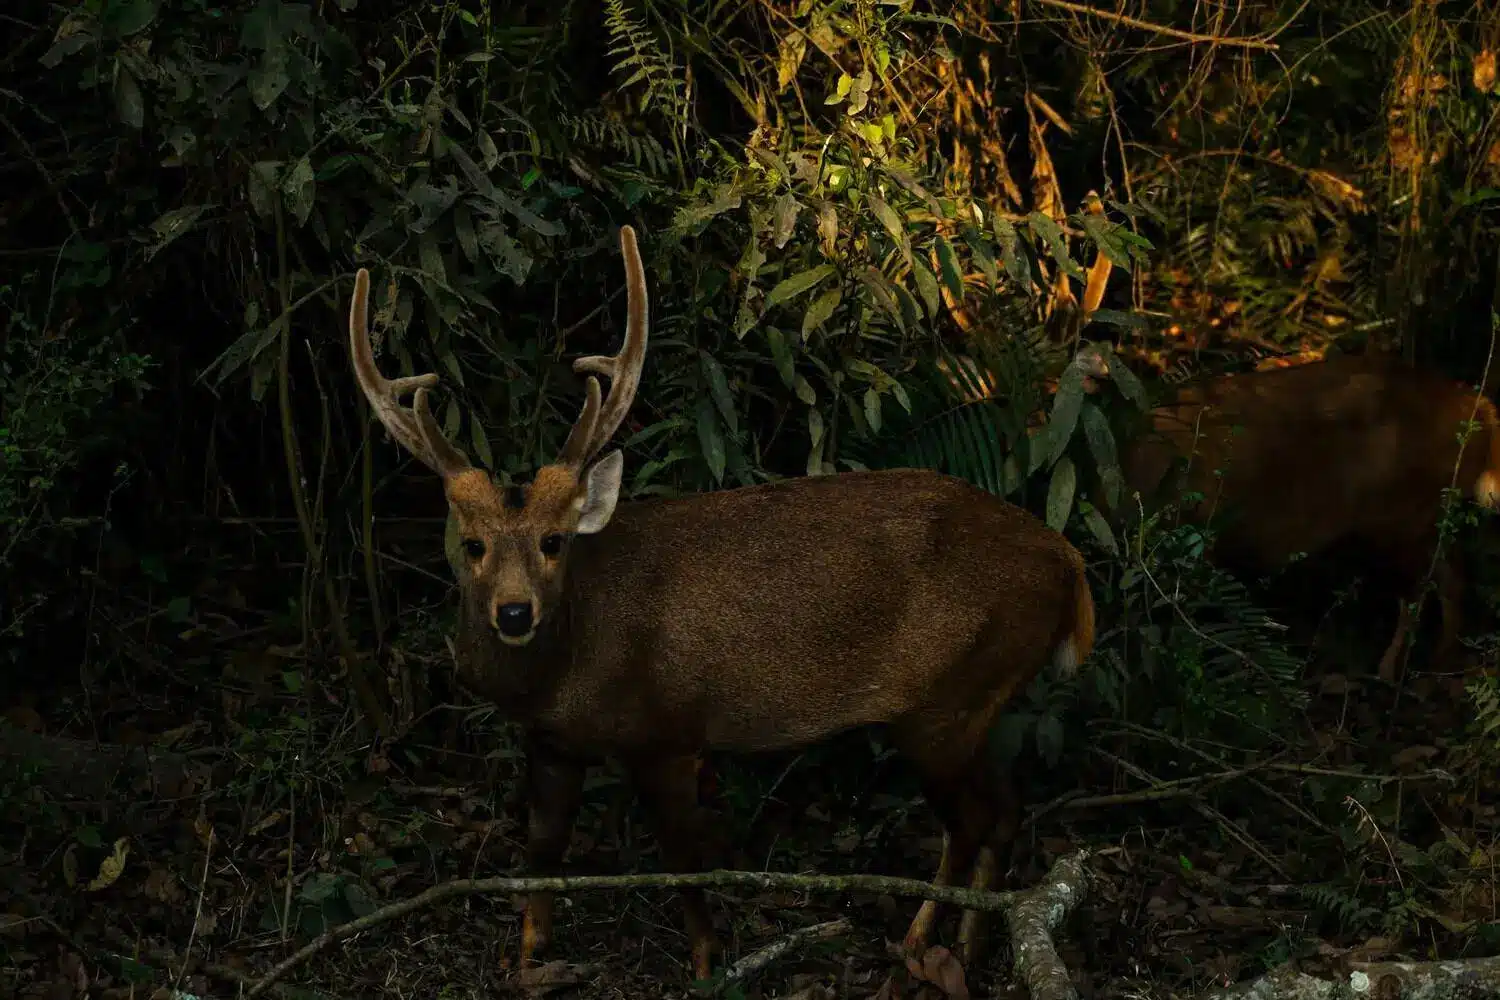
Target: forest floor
[271, 820]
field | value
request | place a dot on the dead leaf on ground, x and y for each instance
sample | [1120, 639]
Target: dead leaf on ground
[550, 976]
[941, 968]
[162, 886]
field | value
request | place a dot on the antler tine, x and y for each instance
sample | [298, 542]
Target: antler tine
[576, 450]
[599, 422]
[414, 429]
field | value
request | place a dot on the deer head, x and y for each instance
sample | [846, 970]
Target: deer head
[514, 540]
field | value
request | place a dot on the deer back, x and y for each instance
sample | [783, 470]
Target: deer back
[1296, 459]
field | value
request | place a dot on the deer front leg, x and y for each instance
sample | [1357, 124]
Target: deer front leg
[554, 786]
[669, 790]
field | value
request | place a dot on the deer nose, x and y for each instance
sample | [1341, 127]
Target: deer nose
[513, 620]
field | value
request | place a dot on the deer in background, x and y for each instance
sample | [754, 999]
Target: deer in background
[1297, 460]
[756, 619]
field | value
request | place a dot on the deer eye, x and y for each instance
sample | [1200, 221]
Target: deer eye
[552, 545]
[474, 548]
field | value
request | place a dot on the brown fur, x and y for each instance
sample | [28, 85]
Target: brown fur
[1353, 449]
[764, 618]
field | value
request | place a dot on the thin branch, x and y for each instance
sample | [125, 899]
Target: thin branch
[758, 960]
[972, 899]
[1226, 41]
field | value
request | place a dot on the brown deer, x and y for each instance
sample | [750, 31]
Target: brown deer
[1355, 449]
[755, 619]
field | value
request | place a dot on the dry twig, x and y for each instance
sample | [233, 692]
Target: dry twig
[973, 899]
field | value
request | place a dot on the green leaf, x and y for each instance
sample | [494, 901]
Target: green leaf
[862, 369]
[1101, 439]
[245, 348]
[899, 391]
[1101, 232]
[129, 102]
[711, 439]
[1130, 386]
[1043, 226]
[507, 256]
[124, 18]
[526, 216]
[893, 224]
[481, 442]
[480, 181]
[301, 190]
[1100, 529]
[880, 290]
[952, 276]
[1060, 491]
[927, 286]
[797, 284]
[815, 434]
[463, 231]
[1017, 265]
[804, 390]
[1117, 317]
[66, 46]
[820, 310]
[859, 92]
[452, 418]
[653, 431]
[431, 203]
[828, 229]
[872, 409]
[261, 187]
[781, 355]
[980, 253]
[784, 219]
[179, 609]
[489, 152]
[269, 77]
[840, 90]
[718, 388]
[1063, 419]
[172, 224]
[916, 190]
[911, 312]
[726, 198]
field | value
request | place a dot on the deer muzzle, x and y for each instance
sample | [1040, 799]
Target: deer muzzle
[514, 621]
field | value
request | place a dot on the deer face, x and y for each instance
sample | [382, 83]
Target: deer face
[513, 541]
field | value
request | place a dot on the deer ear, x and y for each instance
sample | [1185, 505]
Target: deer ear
[600, 492]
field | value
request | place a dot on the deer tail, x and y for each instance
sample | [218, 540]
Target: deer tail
[1078, 637]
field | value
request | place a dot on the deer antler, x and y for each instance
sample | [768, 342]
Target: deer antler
[599, 421]
[414, 428]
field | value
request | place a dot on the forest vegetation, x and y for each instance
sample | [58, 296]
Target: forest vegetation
[978, 238]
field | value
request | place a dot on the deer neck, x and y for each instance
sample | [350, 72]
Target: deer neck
[521, 681]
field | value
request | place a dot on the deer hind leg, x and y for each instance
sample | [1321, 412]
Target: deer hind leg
[994, 856]
[554, 790]
[669, 789]
[1405, 622]
[978, 817]
[1448, 578]
[1450, 594]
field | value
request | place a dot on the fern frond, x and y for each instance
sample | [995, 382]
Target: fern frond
[611, 136]
[638, 59]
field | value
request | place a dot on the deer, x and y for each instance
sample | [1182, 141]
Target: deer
[762, 618]
[1356, 449]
